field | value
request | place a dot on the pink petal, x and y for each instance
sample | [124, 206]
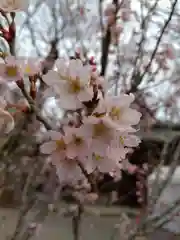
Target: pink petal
[131, 116]
[10, 60]
[71, 152]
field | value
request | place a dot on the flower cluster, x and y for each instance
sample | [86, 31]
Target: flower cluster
[100, 131]
[97, 133]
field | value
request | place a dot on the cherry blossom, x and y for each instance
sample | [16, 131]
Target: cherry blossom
[29, 66]
[98, 128]
[9, 70]
[77, 147]
[119, 111]
[55, 146]
[14, 69]
[71, 83]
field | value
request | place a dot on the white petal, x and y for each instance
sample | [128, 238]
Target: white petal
[61, 66]
[48, 147]
[69, 102]
[85, 95]
[74, 68]
[130, 116]
[51, 78]
[84, 74]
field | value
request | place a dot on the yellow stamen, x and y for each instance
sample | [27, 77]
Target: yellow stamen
[3, 54]
[115, 113]
[60, 144]
[97, 157]
[78, 140]
[99, 115]
[99, 129]
[11, 71]
[121, 139]
[27, 69]
[74, 86]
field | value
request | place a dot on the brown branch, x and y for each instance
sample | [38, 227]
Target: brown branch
[140, 45]
[106, 40]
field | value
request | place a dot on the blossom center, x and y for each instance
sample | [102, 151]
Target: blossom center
[78, 140]
[100, 129]
[97, 157]
[121, 139]
[74, 86]
[115, 113]
[27, 69]
[11, 71]
[60, 144]
[99, 115]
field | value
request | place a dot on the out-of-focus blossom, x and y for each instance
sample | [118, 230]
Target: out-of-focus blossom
[14, 5]
[29, 66]
[6, 120]
[9, 71]
[15, 69]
